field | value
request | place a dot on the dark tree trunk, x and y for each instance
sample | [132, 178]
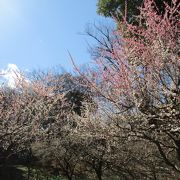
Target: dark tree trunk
[29, 172]
[99, 175]
[69, 177]
[98, 171]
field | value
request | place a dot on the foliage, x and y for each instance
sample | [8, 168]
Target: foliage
[129, 8]
[117, 8]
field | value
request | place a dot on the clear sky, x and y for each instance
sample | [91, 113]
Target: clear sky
[36, 34]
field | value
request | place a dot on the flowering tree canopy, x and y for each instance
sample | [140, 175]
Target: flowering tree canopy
[144, 78]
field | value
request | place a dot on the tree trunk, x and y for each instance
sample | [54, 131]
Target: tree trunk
[29, 172]
[99, 173]
[69, 177]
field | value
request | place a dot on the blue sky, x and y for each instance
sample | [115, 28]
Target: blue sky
[36, 34]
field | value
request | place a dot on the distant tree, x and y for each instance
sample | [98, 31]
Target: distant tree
[75, 93]
[119, 8]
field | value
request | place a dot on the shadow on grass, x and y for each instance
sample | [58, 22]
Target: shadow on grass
[11, 173]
